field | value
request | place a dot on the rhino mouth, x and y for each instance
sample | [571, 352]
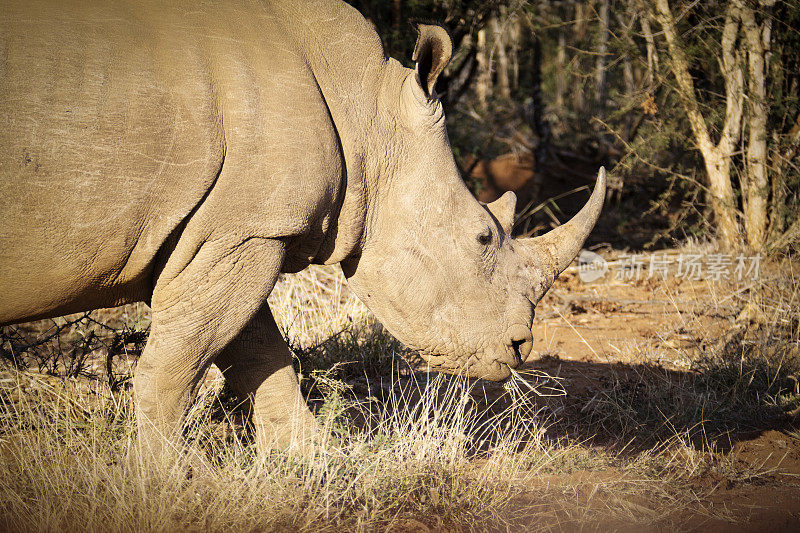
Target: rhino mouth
[502, 372]
[489, 367]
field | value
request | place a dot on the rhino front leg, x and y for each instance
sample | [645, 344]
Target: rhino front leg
[258, 366]
[199, 306]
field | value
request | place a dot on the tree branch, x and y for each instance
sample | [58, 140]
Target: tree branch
[680, 69]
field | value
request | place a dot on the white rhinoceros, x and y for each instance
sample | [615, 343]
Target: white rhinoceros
[185, 154]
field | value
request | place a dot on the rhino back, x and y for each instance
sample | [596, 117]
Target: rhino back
[121, 123]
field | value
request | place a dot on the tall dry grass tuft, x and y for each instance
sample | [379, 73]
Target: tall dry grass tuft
[425, 451]
[315, 304]
[71, 463]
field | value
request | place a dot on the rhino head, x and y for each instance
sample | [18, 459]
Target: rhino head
[439, 269]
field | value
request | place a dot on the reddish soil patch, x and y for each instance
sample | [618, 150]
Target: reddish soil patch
[616, 335]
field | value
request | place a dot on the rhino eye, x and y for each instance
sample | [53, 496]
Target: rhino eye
[485, 238]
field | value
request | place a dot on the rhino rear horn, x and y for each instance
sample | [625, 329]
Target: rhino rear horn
[556, 249]
[503, 210]
[432, 53]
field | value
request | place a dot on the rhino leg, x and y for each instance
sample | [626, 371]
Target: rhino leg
[257, 365]
[205, 296]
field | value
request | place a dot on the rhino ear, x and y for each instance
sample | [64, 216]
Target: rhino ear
[503, 210]
[432, 54]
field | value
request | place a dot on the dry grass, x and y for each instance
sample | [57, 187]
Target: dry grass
[403, 450]
[72, 463]
[69, 456]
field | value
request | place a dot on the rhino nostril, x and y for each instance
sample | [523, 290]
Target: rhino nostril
[517, 353]
[520, 340]
[522, 349]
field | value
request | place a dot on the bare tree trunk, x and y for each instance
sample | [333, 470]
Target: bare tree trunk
[535, 116]
[397, 16]
[602, 51]
[784, 153]
[717, 157]
[499, 44]
[484, 78]
[578, 102]
[514, 36]
[630, 89]
[756, 184]
[626, 20]
[561, 65]
[778, 193]
[652, 53]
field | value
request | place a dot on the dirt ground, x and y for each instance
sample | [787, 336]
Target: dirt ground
[630, 325]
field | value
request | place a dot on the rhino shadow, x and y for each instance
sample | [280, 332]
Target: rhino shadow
[626, 408]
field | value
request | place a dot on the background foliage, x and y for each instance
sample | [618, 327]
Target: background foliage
[592, 80]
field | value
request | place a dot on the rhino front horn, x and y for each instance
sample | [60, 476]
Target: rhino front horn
[555, 250]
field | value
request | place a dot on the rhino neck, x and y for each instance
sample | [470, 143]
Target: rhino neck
[348, 63]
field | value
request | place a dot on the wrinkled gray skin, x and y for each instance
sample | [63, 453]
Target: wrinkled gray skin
[186, 155]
